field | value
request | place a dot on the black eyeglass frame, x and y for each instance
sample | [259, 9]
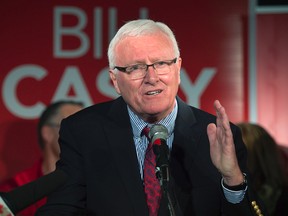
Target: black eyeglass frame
[124, 69]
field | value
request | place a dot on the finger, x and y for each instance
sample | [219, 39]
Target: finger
[222, 117]
[217, 104]
[211, 132]
[215, 149]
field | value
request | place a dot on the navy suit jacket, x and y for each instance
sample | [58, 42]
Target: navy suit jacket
[98, 154]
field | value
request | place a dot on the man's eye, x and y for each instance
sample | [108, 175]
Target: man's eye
[137, 67]
[131, 68]
[161, 63]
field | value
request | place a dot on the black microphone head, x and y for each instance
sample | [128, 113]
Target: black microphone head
[158, 135]
[158, 131]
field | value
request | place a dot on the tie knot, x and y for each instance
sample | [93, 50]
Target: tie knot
[145, 132]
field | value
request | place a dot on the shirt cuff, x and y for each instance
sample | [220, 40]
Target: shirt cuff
[233, 196]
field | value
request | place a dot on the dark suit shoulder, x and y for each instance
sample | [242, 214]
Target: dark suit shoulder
[100, 109]
[201, 117]
[111, 112]
[206, 118]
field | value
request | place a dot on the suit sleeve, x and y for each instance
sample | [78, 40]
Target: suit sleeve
[69, 199]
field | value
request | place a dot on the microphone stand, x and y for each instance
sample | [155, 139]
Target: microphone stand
[163, 174]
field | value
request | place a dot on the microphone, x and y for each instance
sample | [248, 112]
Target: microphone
[158, 135]
[25, 195]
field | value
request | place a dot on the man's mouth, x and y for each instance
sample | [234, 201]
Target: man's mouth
[154, 92]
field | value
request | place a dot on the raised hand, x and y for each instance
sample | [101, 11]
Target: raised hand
[222, 148]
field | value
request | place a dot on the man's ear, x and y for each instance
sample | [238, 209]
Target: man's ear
[114, 80]
[179, 66]
[47, 134]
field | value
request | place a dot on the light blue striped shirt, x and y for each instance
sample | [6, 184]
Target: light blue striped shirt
[141, 143]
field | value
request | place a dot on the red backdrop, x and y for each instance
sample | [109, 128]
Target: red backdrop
[272, 76]
[51, 50]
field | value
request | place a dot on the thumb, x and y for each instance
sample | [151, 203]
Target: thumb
[211, 132]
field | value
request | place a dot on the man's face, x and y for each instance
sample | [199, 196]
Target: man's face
[151, 97]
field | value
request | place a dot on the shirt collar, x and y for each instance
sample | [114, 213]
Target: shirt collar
[138, 124]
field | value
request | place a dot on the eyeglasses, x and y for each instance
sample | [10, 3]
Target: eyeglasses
[138, 71]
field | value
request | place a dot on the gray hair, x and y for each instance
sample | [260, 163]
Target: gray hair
[138, 28]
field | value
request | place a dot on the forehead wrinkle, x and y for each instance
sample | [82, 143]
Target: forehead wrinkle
[144, 49]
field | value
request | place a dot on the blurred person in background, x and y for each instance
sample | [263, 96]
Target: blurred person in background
[266, 165]
[48, 133]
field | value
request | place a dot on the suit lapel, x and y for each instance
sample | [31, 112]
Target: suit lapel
[124, 154]
[184, 143]
[184, 125]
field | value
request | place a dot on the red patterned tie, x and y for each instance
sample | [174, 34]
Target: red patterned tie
[151, 183]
